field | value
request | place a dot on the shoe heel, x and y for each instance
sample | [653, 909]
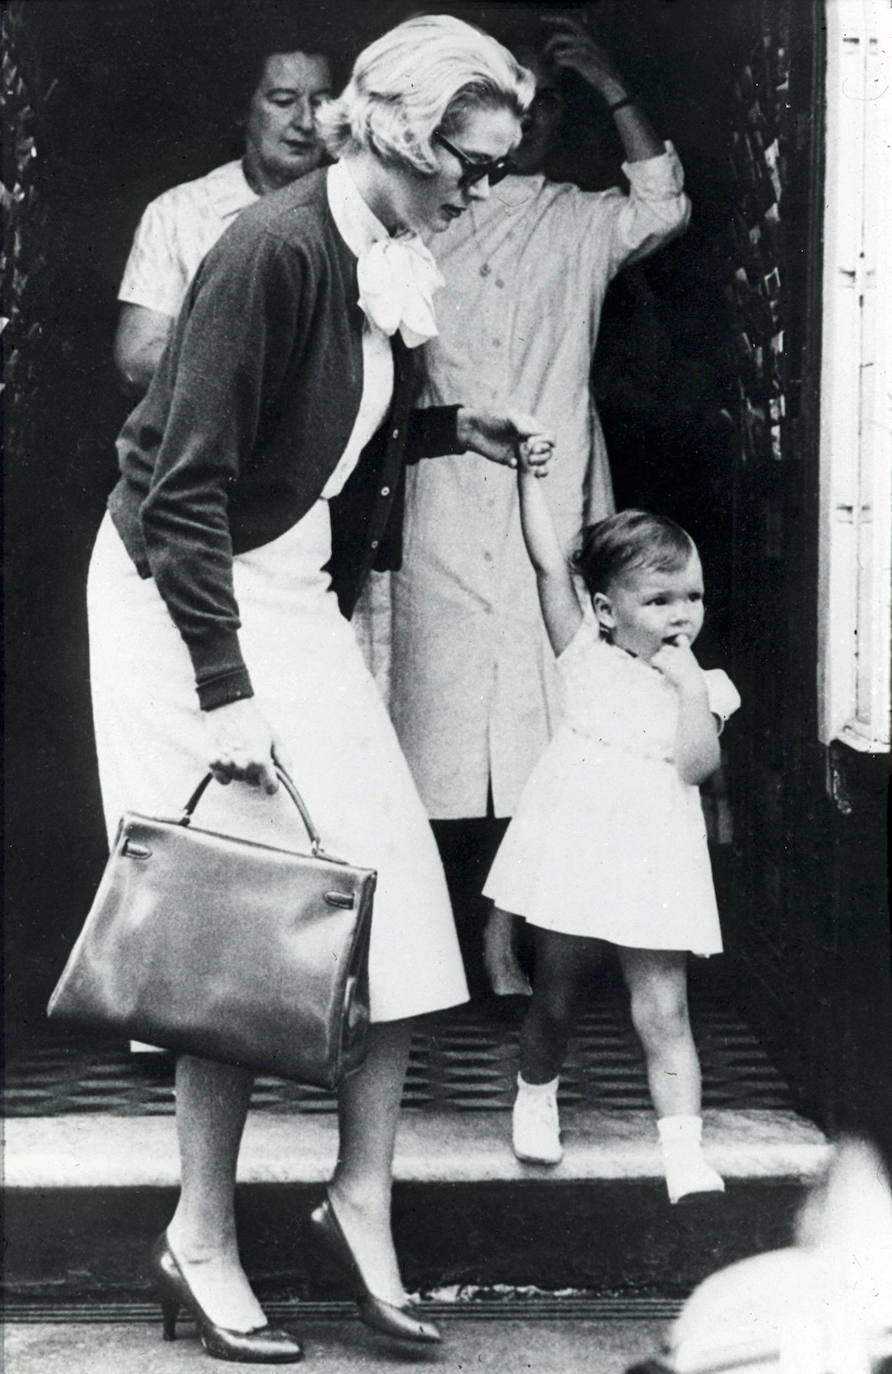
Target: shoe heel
[261, 1345]
[169, 1309]
[330, 1265]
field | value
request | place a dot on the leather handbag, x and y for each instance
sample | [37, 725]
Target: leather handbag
[226, 949]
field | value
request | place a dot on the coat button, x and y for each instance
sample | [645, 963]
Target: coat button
[385, 491]
[375, 543]
[396, 434]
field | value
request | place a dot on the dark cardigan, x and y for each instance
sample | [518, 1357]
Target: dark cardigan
[246, 418]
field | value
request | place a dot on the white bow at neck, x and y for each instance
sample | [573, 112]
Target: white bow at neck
[397, 276]
[397, 280]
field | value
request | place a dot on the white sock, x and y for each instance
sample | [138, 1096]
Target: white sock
[685, 1168]
[538, 1089]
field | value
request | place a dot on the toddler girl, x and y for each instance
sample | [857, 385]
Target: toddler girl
[608, 841]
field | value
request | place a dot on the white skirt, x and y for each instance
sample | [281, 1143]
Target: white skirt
[313, 687]
[609, 845]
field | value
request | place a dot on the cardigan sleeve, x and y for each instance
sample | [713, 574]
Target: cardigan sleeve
[433, 433]
[225, 367]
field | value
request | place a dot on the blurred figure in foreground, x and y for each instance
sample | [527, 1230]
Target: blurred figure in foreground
[821, 1306]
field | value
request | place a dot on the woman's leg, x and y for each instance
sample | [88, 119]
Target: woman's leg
[657, 983]
[561, 962]
[368, 1109]
[212, 1103]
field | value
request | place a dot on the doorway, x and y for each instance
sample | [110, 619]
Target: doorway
[707, 376]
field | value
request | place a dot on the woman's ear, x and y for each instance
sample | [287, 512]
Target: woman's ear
[603, 611]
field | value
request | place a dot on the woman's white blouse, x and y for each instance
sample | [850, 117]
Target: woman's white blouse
[359, 229]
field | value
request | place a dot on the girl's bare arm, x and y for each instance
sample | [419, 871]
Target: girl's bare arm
[557, 596]
[697, 752]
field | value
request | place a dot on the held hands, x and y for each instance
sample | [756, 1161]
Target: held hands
[677, 663]
[572, 47]
[510, 437]
[242, 746]
[534, 457]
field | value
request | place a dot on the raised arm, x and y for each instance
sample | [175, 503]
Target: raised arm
[573, 47]
[557, 596]
[626, 226]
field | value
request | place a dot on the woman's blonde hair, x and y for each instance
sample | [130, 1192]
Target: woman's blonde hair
[423, 75]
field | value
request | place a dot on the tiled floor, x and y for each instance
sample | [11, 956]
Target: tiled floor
[465, 1060]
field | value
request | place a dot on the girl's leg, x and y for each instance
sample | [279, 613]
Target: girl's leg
[212, 1103]
[658, 991]
[368, 1108]
[500, 955]
[657, 983]
[561, 962]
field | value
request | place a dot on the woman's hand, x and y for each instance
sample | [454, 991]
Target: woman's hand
[507, 437]
[241, 745]
[571, 46]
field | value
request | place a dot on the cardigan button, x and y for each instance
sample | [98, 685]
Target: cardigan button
[385, 491]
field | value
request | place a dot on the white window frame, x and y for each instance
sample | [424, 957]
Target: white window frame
[855, 540]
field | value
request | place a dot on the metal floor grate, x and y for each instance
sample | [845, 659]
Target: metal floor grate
[465, 1060]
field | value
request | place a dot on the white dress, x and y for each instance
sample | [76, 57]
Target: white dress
[608, 841]
[310, 681]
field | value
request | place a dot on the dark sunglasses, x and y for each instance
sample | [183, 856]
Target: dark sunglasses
[475, 169]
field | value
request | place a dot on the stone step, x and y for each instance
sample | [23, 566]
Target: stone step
[86, 1192]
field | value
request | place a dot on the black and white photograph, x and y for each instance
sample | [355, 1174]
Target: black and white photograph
[447, 549]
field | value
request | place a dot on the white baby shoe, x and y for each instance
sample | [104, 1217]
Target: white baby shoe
[686, 1170]
[536, 1127]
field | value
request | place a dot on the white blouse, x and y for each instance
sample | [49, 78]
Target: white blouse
[175, 232]
[359, 229]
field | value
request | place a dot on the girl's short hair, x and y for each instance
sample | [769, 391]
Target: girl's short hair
[423, 75]
[629, 541]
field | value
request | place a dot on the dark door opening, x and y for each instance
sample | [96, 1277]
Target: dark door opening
[706, 378]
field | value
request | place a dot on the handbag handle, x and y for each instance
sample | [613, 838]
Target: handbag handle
[285, 780]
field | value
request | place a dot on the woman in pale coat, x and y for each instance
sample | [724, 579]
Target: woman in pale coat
[257, 480]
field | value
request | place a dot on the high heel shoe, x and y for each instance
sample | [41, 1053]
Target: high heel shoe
[262, 1345]
[382, 1316]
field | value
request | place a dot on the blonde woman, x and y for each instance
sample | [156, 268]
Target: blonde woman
[258, 476]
